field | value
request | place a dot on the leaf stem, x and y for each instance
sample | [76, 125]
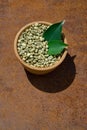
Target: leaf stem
[63, 22]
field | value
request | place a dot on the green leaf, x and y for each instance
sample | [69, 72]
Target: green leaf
[54, 32]
[56, 47]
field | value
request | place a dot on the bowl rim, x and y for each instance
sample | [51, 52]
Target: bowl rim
[56, 63]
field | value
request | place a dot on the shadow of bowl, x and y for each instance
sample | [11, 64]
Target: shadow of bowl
[57, 80]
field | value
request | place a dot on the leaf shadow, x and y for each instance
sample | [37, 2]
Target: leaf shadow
[57, 80]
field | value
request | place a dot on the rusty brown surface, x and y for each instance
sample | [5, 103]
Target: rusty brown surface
[56, 101]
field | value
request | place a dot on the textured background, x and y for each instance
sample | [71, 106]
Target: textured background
[56, 101]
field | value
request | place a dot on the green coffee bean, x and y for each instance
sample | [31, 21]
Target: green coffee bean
[32, 47]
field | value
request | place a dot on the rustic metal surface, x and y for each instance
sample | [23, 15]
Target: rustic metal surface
[56, 101]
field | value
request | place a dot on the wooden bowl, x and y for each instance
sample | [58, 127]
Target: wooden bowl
[32, 69]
